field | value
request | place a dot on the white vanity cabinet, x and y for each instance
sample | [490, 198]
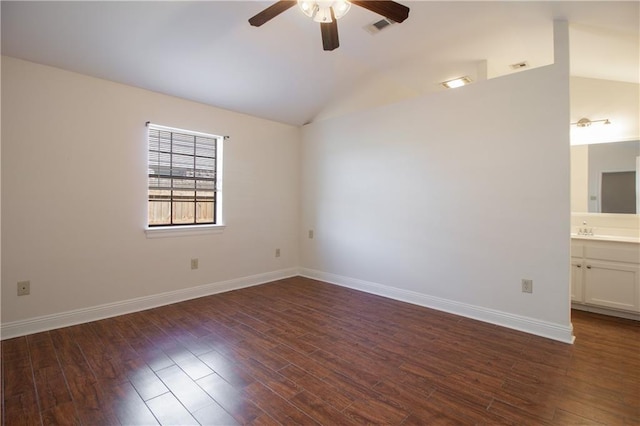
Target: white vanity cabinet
[576, 279]
[605, 274]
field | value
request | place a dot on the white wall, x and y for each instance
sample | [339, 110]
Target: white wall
[580, 178]
[74, 187]
[0, 200]
[446, 200]
[449, 200]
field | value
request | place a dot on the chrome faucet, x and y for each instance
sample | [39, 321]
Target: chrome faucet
[585, 231]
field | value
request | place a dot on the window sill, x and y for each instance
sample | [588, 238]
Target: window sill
[183, 231]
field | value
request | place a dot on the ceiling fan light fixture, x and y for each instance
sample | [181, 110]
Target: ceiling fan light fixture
[340, 8]
[322, 15]
[327, 13]
[320, 10]
[307, 7]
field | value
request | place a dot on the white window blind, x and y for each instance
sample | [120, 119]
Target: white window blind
[184, 188]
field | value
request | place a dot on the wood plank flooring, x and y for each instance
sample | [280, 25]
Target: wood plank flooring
[299, 351]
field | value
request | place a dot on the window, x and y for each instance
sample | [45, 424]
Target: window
[184, 177]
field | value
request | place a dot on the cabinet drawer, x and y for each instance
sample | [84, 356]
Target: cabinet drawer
[618, 254]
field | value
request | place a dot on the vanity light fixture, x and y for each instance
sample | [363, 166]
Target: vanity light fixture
[456, 82]
[585, 122]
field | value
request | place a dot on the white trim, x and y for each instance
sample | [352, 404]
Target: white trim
[151, 125]
[219, 181]
[79, 316]
[605, 311]
[638, 184]
[546, 329]
[183, 231]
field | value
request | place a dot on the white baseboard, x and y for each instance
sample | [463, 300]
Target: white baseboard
[79, 316]
[549, 330]
[605, 311]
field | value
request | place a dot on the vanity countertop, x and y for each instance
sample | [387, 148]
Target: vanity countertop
[616, 238]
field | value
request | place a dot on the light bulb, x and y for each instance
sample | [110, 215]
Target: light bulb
[340, 8]
[307, 7]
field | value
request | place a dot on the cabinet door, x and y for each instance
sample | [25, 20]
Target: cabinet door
[614, 285]
[576, 280]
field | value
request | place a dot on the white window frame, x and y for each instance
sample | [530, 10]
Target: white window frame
[191, 229]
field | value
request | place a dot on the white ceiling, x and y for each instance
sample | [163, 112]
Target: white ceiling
[207, 51]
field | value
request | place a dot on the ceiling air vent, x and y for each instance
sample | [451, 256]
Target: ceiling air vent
[519, 65]
[378, 26]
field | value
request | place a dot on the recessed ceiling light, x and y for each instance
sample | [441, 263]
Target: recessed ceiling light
[457, 82]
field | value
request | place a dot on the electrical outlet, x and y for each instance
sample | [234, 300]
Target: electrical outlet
[24, 288]
[194, 263]
[527, 286]
[277, 252]
[310, 234]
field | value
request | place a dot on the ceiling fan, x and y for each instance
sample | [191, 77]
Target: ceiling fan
[327, 13]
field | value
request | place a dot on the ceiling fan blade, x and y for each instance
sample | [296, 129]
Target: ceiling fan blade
[271, 12]
[389, 9]
[329, 32]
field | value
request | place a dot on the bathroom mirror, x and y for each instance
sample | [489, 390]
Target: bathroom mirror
[605, 178]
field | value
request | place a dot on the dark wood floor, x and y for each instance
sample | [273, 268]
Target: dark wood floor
[299, 351]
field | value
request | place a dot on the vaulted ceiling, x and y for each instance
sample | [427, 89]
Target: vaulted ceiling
[208, 52]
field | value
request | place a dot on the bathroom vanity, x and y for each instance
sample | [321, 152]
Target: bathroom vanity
[605, 226]
[605, 274]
